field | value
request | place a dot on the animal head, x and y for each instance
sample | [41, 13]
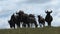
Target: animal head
[20, 12]
[39, 16]
[48, 12]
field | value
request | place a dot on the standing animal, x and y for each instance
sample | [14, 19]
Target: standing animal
[41, 21]
[26, 20]
[16, 19]
[32, 20]
[48, 17]
[19, 17]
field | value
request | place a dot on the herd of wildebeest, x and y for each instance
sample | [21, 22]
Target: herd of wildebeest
[28, 19]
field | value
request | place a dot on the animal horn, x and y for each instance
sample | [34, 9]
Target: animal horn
[50, 11]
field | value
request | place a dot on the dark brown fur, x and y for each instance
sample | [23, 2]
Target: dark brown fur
[41, 20]
[48, 18]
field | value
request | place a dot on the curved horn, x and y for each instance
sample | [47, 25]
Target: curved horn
[51, 11]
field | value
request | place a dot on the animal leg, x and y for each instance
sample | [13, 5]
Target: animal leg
[49, 24]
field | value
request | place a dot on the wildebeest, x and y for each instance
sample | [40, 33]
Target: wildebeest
[48, 17]
[12, 22]
[26, 20]
[32, 20]
[16, 19]
[19, 17]
[41, 21]
[23, 17]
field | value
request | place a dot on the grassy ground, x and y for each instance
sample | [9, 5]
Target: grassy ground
[45, 30]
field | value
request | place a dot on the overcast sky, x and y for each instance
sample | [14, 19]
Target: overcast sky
[37, 7]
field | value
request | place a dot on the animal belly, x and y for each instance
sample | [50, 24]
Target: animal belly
[48, 20]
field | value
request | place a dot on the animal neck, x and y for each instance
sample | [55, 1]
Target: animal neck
[48, 14]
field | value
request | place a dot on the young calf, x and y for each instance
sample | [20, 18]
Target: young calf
[41, 20]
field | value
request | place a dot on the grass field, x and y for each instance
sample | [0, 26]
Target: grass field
[45, 30]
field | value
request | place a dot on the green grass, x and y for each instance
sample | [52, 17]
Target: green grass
[45, 30]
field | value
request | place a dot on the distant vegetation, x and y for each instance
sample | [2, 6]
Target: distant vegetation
[45, 30]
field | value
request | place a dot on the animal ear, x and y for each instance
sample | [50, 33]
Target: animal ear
[46, 11]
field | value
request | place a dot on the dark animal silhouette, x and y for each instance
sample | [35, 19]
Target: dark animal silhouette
[22, 17]
[29, 19]
[16, 19]
[32, 20]
[11, 21]
[41, 21]
[26, 20]
[48, 17]
[19, 17]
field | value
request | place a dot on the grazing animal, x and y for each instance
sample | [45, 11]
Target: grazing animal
[41, 20]
[48, 17]
[26, 20]
[16, 19]
[11, 21]
[19, 17]
[32, 20]
[22, 17]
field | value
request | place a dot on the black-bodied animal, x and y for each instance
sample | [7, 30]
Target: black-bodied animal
[48, 17]
[11, 21]
[32, 20]
[26, 20]
[41, 21]
[16, 19]
[19, 17]
[23, 17]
